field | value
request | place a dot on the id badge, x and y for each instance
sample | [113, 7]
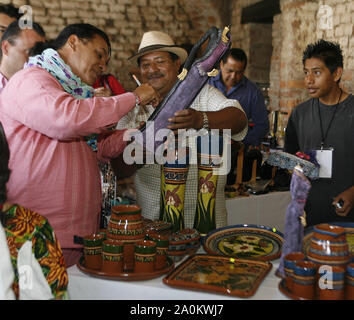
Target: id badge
[324, 158]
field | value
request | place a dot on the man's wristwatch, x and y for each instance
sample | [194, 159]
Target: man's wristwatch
[205, 121]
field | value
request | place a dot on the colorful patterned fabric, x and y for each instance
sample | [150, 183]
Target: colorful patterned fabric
[55, 65]
[23, 225]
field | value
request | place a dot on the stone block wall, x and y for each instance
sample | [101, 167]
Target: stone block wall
[125, 21]
[301, 23]
[274, 51]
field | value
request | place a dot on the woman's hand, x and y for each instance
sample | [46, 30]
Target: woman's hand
[102, 92]
[347, 197]
[147, 95]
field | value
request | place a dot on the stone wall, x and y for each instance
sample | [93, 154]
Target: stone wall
[274, 51]
[301, 23]
[125, 21]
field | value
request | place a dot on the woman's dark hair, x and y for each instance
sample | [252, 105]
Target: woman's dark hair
[10, 11]
[329, 52]
[81, 30]
[4, 169]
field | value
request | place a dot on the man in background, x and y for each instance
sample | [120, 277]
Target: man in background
[8, 14]
[232, 82]
[15, 46]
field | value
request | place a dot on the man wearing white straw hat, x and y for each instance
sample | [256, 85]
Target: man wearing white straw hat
[159, 61]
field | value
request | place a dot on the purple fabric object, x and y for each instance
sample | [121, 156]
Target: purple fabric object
[184, 91]
[294, 230]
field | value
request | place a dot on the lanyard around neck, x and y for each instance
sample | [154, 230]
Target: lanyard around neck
[324, 135]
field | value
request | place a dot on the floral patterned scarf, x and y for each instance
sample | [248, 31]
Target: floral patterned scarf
[51, 61]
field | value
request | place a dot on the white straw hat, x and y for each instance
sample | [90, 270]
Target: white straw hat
[158, 41]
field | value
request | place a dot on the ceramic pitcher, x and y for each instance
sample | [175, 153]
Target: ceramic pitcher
[329, 246]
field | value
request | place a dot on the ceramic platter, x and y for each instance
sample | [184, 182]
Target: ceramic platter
[245, 242]
[126, 276]
[217, 274]
[349, 228]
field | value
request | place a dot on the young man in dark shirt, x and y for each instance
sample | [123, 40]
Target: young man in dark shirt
[326, 123]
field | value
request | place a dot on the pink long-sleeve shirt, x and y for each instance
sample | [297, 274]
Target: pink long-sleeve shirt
[53, 171]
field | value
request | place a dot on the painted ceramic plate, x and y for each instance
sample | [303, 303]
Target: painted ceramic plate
[245, 242]
[224, 275]
[349, 228]
[126, 276]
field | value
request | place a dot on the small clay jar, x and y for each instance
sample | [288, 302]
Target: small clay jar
[330, 282]
[145, 254]
[349, 288]
[304, 276]
[93, 251]
[290, 261]
[162, 241]
[112, 256]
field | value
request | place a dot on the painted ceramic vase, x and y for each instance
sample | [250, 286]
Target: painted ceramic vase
[330, 282]
[209, 149]
[145, 254]
[126, 225]
[173, 184]
[112, 256]
[93, 251]
[349, 289]
[304, 279]
[162, 242]
[329, 246]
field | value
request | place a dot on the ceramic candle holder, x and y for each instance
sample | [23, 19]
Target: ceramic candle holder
[330, 282]
[162, 242]
[126, 225]
[145, 254]
[290, 261]
[304, 275]
[112, 256]
[349, 289]
[93, 250]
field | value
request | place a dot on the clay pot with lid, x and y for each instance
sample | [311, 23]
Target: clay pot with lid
[329, 246]
[126, 225]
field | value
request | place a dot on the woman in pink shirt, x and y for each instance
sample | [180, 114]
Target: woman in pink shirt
[57, 132]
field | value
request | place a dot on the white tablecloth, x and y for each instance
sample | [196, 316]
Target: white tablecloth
[264, 209]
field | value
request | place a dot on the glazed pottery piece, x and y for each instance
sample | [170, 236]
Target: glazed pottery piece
[193, 240]
[173, 184]
[217, 274]
[93, 250]
[304, 275]
[349, 292]
[112, 256]
[145, 253]
[349, 233]
[245, 242]
[126, 225]
[330, 282]
[290, 260]
[125, 276]
[209, 150]
[162, 242]
[329, 246]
